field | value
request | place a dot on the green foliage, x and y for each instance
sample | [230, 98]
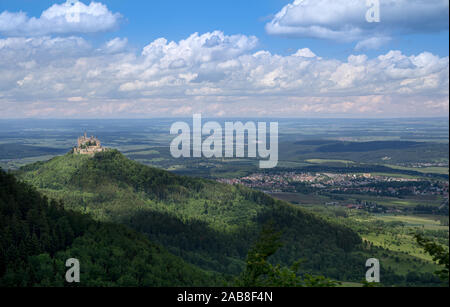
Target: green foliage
[38, 236]
[439, 254]
[367, 284]
[259, 272]
[207, 223]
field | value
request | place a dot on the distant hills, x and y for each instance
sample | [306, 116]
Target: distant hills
[370, 152]
[368, 146]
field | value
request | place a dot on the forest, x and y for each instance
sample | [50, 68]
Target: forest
[39, 235]
[206, 223]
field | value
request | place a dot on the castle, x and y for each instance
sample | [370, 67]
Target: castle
[88, 146]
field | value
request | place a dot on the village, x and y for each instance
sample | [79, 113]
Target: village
[344, 184]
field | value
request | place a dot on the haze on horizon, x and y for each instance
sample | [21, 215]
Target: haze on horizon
[299, 58]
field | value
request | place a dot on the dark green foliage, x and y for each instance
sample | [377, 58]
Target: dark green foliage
[207, 223]
[194, 240]
[30, 225]
[259, 272]
[38, 236]
[305, 237]
[439, 254]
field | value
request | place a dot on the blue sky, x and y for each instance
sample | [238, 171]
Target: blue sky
[398, 67]
[145, 21]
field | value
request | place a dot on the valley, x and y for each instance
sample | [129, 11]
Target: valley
[339, 196]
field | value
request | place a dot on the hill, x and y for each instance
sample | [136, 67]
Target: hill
[206, 223]
[38, 236]
[369, 152]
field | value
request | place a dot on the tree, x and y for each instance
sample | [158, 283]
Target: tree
[439, 254]
[261, 273]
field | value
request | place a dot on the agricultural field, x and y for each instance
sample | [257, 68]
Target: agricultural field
[430, 170]
[393, 233]
[302, 143]
[397, 236]
[328, 161]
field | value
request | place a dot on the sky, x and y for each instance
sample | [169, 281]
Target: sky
[224, 58]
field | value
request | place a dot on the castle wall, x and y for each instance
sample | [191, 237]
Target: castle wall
[83, 141]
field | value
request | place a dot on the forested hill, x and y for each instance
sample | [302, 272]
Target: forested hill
[207, 223]
[38, 236]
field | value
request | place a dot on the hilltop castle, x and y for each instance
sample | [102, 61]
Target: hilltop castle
[88, 146]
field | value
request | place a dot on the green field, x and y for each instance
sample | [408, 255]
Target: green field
[350, 285]
[323, 161]
[394, 202]
[302, 199]
[16, 163]
[144, 152]
[398, 243]
[425, 170]
[414, 221]
[396, 175]
[390, 232]
[390, 202]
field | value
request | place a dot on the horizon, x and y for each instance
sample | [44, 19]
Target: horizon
[231, 117]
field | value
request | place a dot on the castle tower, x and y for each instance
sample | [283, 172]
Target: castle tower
[88, 146]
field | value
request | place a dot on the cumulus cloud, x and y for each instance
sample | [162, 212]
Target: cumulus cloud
[23, 59]
[372, 43]
[68, 18]
[115, 45]
[46, 70]
[196, 49]
[212, 73]
[345, 20]
[305, 52]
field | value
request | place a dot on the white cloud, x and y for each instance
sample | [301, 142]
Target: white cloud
[75, 99]
[197, 49]
[305, 52]
[26, 79]
[60, 19]
[211, 73]
[372, 43]
[115, 45]
[345, 20]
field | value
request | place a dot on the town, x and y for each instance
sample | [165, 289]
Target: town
[341, 185]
